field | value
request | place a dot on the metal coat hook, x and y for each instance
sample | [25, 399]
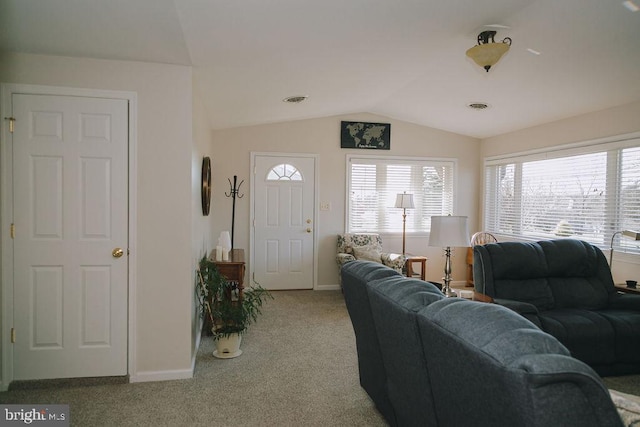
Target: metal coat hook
[234, 192]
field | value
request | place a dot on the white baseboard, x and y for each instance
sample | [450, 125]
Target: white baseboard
[142, 377]
[327, 288]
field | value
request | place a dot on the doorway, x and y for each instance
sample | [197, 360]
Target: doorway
[283, 205]
[65, 262]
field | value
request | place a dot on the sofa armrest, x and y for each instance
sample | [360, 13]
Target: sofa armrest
[395, 261]
[342, 259]
[517, 306]
[526, 310]
[625, 301]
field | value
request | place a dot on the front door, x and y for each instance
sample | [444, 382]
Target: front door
[70, 214]
[284, 221]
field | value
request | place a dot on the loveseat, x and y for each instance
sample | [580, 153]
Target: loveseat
[565, 287]
[428, 360]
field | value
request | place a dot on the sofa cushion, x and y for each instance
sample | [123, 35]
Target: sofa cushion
[492, 328]
[519, 272]
[395, 301]
[626, 326]
[588, 334]
[573, 271]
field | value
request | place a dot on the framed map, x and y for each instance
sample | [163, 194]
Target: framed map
[375, 136]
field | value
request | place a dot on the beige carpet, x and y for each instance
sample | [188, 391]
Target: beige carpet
[298, 368]
[629, 384]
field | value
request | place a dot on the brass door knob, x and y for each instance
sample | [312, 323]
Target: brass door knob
[308, 230]
[117, 252]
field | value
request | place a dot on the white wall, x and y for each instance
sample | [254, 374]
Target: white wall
[613, 121]
[201, 237]
[164, 293]
[231, 156]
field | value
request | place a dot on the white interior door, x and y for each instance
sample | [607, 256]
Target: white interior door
[284, 222]
[70, 213]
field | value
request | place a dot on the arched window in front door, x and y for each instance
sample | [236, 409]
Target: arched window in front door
[284, 172]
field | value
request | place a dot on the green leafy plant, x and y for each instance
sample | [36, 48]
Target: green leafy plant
[227, 311]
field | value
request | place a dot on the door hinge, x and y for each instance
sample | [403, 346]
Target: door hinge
[13, 231]
[13, 335]
[11, 121]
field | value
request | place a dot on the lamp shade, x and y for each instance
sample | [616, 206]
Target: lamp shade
[487, 55]
[447, 231]
[404, 200]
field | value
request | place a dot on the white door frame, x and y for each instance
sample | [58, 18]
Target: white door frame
[6, 199]
[252, 208]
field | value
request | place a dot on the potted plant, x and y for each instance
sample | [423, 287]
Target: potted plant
[228, 311]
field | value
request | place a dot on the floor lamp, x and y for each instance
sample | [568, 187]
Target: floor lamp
[404, 201]
[625, 233]
[448, 231]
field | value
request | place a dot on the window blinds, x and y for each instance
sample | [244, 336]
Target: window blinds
[373, 184]
[566, 193]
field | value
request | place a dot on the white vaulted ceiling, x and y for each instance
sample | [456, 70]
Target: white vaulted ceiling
[403, 59]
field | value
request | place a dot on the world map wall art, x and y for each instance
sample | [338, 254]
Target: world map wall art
[375, 136]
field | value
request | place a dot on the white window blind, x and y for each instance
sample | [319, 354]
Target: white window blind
[587, 193]
[373, 184]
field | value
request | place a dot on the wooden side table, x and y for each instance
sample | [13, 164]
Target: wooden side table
[233, 269]
[621, 287]
[416, 260]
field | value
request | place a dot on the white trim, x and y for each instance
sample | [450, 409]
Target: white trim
[316, 199]
[328, 288]
[6, 261]
[616, 141]
[148, 376]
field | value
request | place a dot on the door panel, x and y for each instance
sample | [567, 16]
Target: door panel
[284, 229]
[70, 212]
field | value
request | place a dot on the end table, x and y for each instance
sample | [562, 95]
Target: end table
[411, 259]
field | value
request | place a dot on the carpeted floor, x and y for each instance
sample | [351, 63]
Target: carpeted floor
[629, 384]
[298, 367]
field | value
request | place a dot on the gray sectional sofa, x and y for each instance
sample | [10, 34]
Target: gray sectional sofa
[427, 360]
[565, 288]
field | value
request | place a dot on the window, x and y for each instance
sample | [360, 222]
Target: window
[374, 182]
[284, 172]
[586, 192]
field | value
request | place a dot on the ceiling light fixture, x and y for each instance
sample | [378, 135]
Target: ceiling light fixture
[295, 99]
[631, 6]
[487, 52]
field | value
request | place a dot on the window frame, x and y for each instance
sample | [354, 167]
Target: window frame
[402, 160]
[611, 146]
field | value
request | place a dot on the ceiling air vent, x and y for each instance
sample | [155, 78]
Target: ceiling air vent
[295, 99]
[478, 105]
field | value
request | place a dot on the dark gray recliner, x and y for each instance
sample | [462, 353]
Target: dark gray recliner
[566, 289]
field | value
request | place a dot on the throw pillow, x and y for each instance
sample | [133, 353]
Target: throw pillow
[368, 253]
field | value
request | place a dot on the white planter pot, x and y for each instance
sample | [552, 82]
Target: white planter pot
[228, 347]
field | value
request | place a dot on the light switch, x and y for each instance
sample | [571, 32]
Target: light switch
[325, 206]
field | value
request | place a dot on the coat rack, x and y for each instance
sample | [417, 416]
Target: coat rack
[234, 192]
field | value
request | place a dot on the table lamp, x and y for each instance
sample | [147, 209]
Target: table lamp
[404, 201]
[448, 231]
